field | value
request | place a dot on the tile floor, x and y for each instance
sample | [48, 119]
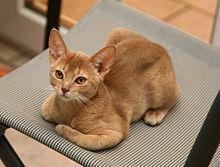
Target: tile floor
[34, 154]
[188, 15]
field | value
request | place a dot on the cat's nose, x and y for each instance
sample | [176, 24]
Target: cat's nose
[64, 90]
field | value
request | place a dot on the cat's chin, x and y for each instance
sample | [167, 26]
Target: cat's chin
[64, 98]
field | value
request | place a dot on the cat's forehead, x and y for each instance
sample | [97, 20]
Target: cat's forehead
[76, 57]
[75, 61]
[79, 53]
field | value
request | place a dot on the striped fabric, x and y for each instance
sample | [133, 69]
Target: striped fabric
[197, 67]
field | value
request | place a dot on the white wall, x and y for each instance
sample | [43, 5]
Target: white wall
[22, 25]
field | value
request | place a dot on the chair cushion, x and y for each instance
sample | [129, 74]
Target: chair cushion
[197, 67]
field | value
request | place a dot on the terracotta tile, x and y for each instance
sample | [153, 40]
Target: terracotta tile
[195, 23]
[4, 69]
[208, 5]
[157, 8]
[71, 11]
[76, 9]
[35, 154]
[5, 66]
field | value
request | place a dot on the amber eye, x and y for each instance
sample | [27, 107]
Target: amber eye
[59, 74]
[80, 80]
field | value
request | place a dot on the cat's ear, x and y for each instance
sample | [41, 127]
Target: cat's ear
[57, 46]
[103, 60]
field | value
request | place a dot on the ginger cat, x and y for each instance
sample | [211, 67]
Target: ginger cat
[97, 97]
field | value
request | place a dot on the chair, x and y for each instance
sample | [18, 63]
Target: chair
[197, 67]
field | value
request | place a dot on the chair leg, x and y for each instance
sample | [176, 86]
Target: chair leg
[53, 16]
[7, 153]
[208, 139]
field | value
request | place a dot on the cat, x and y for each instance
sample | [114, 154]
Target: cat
[97, 97]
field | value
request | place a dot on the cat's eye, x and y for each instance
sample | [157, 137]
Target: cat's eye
[80, 80]
[59, 74]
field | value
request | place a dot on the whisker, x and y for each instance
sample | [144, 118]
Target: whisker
[80, 101]
[91, 102]
[75, 102]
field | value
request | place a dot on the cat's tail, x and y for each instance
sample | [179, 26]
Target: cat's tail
[119, 34]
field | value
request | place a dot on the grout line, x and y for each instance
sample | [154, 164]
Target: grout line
[202, 11]
[182, 2]
[198, 9]
[184, 9]
[176, 14]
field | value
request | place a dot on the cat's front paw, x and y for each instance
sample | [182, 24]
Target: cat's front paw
[60, 129]
[154, 118]
[65, 131]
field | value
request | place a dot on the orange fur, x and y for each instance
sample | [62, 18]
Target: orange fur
[129, 79]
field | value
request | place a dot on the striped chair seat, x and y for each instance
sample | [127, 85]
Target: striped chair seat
[197, 67]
